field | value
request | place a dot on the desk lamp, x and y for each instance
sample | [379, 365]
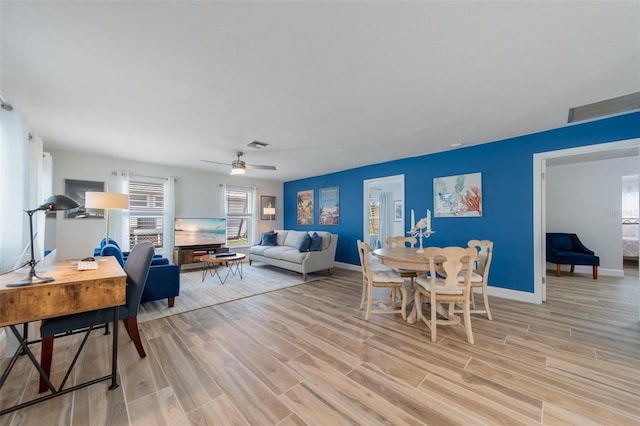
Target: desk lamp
[53, 204]
[106, 201]
[269, 211]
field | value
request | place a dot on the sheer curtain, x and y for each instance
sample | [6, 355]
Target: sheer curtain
[169, 217]
[120, 227]
[386, 218]
[24, 185]
[14, 185]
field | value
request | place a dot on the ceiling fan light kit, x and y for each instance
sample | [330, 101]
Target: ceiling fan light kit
[238, 166]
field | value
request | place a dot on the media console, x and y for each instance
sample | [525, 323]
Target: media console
[193, 254]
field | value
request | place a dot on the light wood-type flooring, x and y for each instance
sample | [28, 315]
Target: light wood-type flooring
[305, 355]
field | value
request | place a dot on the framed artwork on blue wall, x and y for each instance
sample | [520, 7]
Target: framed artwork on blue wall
[458, 196]
[304, 207]
[330, 206]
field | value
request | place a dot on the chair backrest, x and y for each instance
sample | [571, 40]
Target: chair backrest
[451, 260]
[113, 250]
[485, 254]
[401, 241]
[104, 242]
[137, 269]
[364, 251]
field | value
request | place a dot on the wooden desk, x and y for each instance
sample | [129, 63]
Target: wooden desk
[72, 292]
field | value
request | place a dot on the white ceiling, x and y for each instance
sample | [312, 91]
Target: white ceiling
[330, 85]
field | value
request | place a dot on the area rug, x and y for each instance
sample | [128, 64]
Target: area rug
[196, 294]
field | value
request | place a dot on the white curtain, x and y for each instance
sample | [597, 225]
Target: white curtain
[386, 218]
[169, 217]
[37, 194]
[24, 185]
[254, 234]
[14, 185]
[120, 218]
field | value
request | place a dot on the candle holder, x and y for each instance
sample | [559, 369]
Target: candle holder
[420, 233]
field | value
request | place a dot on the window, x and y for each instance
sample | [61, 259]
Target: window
[146, 211]
[374, 218]
[239, 212]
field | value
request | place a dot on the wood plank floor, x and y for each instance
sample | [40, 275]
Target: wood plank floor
[305, 355]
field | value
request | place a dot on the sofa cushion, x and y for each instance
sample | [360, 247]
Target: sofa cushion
[293, 256]
[276, 251]
[326, 239]
[294, 238]
[282, 235]
[305, 244]
[316, 242]
[262, 237]
[258, 249]
[269, 239]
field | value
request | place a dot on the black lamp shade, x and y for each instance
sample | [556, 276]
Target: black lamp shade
[58, 202]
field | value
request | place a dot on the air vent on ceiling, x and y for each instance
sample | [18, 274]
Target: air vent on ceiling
[606, 107]
[257, 145]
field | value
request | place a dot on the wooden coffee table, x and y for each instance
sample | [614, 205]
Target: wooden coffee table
[212, 263]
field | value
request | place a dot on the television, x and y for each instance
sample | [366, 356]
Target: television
[190, 232]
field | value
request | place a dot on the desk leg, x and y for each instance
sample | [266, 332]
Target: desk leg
[114, 351]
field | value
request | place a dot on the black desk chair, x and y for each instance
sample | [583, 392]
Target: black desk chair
[137, 268]
[567, 249]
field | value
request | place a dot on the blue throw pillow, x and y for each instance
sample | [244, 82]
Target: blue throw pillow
[305, 243]
[316, 242]
[269, 239]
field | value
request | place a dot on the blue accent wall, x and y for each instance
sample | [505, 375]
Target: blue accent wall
[507, 191]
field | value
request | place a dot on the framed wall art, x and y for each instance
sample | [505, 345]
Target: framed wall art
[330, 206]
[457, 196]
[76, 189]
[268, 202]
[398, 211]
[305, 207]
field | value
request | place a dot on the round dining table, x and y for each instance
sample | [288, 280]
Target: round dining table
[404, 258]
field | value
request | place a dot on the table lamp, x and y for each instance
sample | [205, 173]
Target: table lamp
[52, 204]
[106, 201]
[269, 211]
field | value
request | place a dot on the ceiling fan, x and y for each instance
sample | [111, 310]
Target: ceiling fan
[238, 166]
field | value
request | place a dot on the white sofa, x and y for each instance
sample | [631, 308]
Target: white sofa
[286, 255]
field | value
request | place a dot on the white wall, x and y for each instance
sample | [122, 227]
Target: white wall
[198, 194]
[586, 199]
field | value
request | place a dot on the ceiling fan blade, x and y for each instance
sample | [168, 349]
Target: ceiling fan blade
[256, 166]
[214, 162]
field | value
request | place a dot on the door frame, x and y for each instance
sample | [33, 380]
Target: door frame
[539, 208]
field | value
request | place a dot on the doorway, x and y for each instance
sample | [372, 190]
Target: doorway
[628, 148]
[381, 196]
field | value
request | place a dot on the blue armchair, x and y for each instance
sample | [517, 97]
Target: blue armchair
[567, 249]
[125, 254]
[162, 282]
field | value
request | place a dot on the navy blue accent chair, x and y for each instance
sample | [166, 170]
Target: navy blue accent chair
[567, 249]
[163, 281]
[103, 242]
[137, 268]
